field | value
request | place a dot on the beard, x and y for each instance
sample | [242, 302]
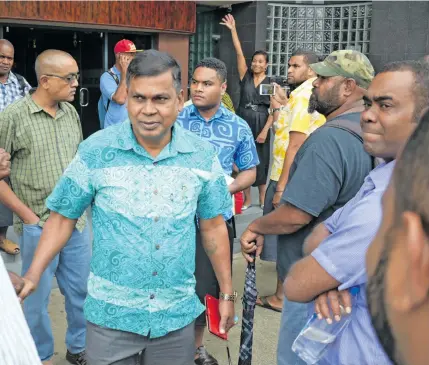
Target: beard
[328, 105]
[377, 308]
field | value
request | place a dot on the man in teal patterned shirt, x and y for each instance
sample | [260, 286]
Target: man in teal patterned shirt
[145, 180]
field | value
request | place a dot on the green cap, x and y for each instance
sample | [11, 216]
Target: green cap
[347, 63]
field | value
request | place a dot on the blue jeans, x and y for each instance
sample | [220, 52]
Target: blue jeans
[294, 318]
[71, 268]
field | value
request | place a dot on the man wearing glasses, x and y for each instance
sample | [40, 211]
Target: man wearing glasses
[42, 132]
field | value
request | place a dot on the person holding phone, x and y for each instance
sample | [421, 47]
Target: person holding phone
[112, 107]
[253, 108]
[293, 123]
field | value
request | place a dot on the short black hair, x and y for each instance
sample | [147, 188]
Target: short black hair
[154, 63]
[214, 64]
[420, 70]
[411, 176]
[261, 52]
[310, 57]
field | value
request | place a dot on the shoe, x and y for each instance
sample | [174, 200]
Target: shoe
[76, 359]
[245, 207]
[204, 358]
[262, 206]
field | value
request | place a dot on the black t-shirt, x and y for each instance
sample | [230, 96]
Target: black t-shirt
[327, 172]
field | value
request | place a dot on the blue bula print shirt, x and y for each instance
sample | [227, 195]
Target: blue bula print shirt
[143, 211]
[228, 133]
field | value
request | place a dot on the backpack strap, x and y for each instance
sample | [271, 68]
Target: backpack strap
[345, 127]
[22, 84]
[116, 78]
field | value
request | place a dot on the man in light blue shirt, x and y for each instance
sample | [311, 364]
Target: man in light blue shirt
[234, 143]
[112, 107]
[338, 246]
[145, 180]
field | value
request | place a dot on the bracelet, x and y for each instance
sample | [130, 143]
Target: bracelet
[228, 297]
[279, 191]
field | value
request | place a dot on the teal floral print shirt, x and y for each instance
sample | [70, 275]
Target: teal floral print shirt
[143, 216]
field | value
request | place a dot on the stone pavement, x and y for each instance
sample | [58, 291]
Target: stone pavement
[266, 321]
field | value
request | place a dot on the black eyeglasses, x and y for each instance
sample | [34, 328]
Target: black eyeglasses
[69, 78]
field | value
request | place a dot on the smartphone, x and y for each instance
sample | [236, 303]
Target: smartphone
[282, 81]
[287, 90]
[213, 317]
[267, 89]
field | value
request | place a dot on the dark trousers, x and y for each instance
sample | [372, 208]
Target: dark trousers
[204, 273]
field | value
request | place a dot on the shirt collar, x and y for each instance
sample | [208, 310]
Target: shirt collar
[115, 70]
[219, 113]
[381, 175]
[179, 143]
[36, 108]
[304, 86]
[12, 79]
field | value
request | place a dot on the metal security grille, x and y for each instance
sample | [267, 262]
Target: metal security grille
[322, 29]
[201, 43]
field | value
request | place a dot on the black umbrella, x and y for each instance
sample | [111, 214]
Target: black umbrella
[249, 303]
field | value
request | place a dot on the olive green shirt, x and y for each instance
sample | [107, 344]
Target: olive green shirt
[41, 148]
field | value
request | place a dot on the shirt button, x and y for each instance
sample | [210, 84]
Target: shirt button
[157, 247]
[156, 219]
[154, 273]
[152, 296]
[155, 191]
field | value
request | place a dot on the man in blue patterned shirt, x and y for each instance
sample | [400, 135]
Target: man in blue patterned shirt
[234, 143]
[12, 88]
[146, 180]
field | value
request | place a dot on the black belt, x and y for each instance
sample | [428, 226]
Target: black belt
[256, 107]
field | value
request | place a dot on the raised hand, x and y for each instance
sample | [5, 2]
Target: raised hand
[228, 21]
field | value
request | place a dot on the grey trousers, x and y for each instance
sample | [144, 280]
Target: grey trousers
[105, 346]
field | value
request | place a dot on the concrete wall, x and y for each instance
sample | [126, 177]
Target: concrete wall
[399, 31]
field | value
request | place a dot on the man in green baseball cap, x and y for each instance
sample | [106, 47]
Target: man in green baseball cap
[347, 63]
[342, 80]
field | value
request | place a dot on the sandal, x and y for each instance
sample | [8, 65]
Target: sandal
[264, 304]
[10, 247]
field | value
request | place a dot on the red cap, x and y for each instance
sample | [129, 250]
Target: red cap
[125, 46]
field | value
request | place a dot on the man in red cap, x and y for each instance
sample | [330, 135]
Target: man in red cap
[112, 104]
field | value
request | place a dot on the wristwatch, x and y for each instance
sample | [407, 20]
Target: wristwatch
[228, 297]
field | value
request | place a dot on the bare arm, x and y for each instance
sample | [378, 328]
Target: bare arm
[315, 238]
[56, 232]
[243, 180]
[120, 95]
[306, 280]
[286, 219]
[215, 240]
[9, 199]
[229, 22]
[216, 244]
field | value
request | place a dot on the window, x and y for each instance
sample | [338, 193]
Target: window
[201, 43]
[322, 29]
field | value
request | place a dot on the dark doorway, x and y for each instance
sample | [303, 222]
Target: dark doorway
[87, 47]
